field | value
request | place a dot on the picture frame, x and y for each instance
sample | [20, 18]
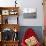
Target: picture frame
[13, 12]
[5, 12]
[30, 13]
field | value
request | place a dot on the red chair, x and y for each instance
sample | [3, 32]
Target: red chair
[29, 33]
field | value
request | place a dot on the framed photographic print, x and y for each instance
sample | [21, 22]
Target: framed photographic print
[13, 12]
[29, 13]
[5, 12]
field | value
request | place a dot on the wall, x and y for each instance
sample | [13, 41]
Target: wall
[6, 3]
[32, 4]
[27, 4]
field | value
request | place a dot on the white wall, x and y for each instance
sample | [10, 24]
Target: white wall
[6, 3]
[32, 4]
[27, 4]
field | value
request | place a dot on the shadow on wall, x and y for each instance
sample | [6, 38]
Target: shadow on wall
[37, 29]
